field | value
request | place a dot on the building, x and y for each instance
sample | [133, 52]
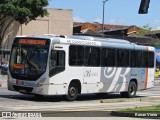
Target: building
[108, 28]
[116, 31]
[95, 27]
[154, 33]
[122, 31]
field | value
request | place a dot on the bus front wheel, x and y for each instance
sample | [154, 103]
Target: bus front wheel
[132, 89]
[72, 92]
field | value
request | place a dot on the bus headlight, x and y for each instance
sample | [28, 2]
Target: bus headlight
[41, 82]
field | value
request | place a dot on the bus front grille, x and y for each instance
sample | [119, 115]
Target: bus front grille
[23, 89]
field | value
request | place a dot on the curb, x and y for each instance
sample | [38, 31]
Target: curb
[122, 114]
[131, 100]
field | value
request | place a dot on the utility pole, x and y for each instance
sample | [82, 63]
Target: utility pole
[103, 18]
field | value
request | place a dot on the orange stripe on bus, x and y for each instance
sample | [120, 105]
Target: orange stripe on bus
[146, 74]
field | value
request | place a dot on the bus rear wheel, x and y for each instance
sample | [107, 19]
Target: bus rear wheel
[132, 89]
[72, 92]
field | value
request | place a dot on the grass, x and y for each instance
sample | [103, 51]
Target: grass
[152, 109]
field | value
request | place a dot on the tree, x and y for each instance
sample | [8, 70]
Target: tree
[144, 29]
[22, 11]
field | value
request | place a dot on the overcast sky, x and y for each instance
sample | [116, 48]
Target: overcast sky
[124, 12]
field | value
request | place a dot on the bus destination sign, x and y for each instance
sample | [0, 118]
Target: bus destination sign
[32, 41]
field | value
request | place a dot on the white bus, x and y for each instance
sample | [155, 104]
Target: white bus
[50, 65]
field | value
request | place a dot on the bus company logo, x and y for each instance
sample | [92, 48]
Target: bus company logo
[89, 73]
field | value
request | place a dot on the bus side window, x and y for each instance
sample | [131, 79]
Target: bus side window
[148, 59]
[123, 58]
[107, 57]
[87, 54]
[72, 55]
[61, 58]
[95, 60]
[133, 58]
[151, 59]
[76, 55]
[57, 62]
[145, 59]
[53, 59]
[57, 59]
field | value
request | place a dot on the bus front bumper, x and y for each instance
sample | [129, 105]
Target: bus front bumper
[45, 89]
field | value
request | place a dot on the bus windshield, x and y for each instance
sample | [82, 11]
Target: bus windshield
[28, 61]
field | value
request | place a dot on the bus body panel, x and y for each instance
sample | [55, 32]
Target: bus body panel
[114, 79]
[24, 86]
[136, 74]
[151, 72]
[92, 79]
[91, 75]
[150, 80]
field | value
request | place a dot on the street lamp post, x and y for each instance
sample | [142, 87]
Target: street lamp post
[103, 17]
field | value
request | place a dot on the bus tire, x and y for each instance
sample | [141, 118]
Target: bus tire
[132, 89]
[72, 92]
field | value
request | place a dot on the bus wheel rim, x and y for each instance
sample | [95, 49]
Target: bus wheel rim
[72, 92]
[132, 90]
